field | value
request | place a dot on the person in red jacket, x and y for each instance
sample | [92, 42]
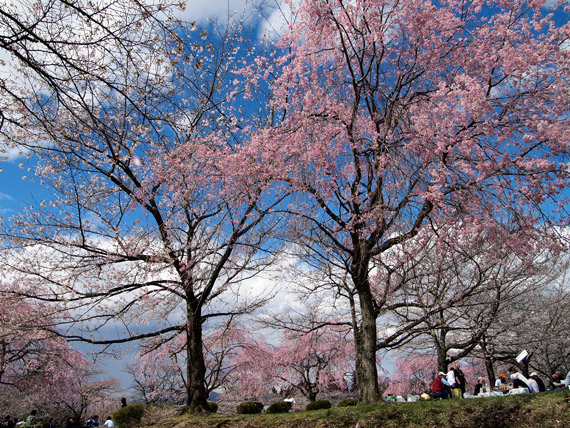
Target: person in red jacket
[440, 387]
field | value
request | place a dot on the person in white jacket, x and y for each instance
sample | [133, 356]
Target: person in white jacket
[451, 378]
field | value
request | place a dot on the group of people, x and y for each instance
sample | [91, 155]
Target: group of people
[94, 422]
[91, 422]
[452, 383]
[31, 420]
[533, 383]
[75, 422]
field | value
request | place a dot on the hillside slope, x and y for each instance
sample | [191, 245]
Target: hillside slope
[549, 409]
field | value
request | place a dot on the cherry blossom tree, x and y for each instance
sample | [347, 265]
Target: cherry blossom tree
[252, 376]
[412, 375]
[159, 376]
[158, 371]
[459, 290]
[399, 114]
[314, 362]
[28, 352]
[38, 369]
[308, 362]
[534, 321]
[39, 39]
[158, 210]
[86, 394]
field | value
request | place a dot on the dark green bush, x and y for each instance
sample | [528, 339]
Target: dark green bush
[319, 404]
[213, 407]
[250, 408]
[129, 416]
[279, 407]
[348, 402]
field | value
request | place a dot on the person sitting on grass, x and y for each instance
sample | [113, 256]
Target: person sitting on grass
[501, 383]
[555, 382]
[440, 386]
[479, 386]
[519, 381]
[31, 420]
[538, 380]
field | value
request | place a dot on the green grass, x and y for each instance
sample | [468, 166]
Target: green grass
[549, 409]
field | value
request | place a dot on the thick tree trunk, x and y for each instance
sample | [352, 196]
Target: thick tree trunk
[195, 366]
[490, 371]
[365, 344]
[442, 360]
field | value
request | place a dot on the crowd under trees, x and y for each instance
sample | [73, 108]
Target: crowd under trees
[407, 158]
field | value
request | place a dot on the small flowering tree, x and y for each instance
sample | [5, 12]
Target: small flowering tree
[412, 375]
[310, 363]
[38, 368]
[313, 362]
[458, 286]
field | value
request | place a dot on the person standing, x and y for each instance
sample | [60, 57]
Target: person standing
[123, 402]
[291, 400]
[460, 378]
[450, 376]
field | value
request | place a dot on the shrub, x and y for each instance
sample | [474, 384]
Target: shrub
[348, 402]
[129, 416]
[319, 404]
[279, 407]
[213, 407]
[250, 408]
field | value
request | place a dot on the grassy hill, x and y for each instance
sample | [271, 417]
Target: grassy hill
[548, 409]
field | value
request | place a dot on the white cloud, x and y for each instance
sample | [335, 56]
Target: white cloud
[551, 4]
[11, 154]
[203, 10]
[273, 16]
[277, 17]
[5, 197]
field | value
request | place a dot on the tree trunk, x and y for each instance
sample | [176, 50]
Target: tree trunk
[489, 360]
[195, 366]
[490, 371]
[442, 361]
[365, 344]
